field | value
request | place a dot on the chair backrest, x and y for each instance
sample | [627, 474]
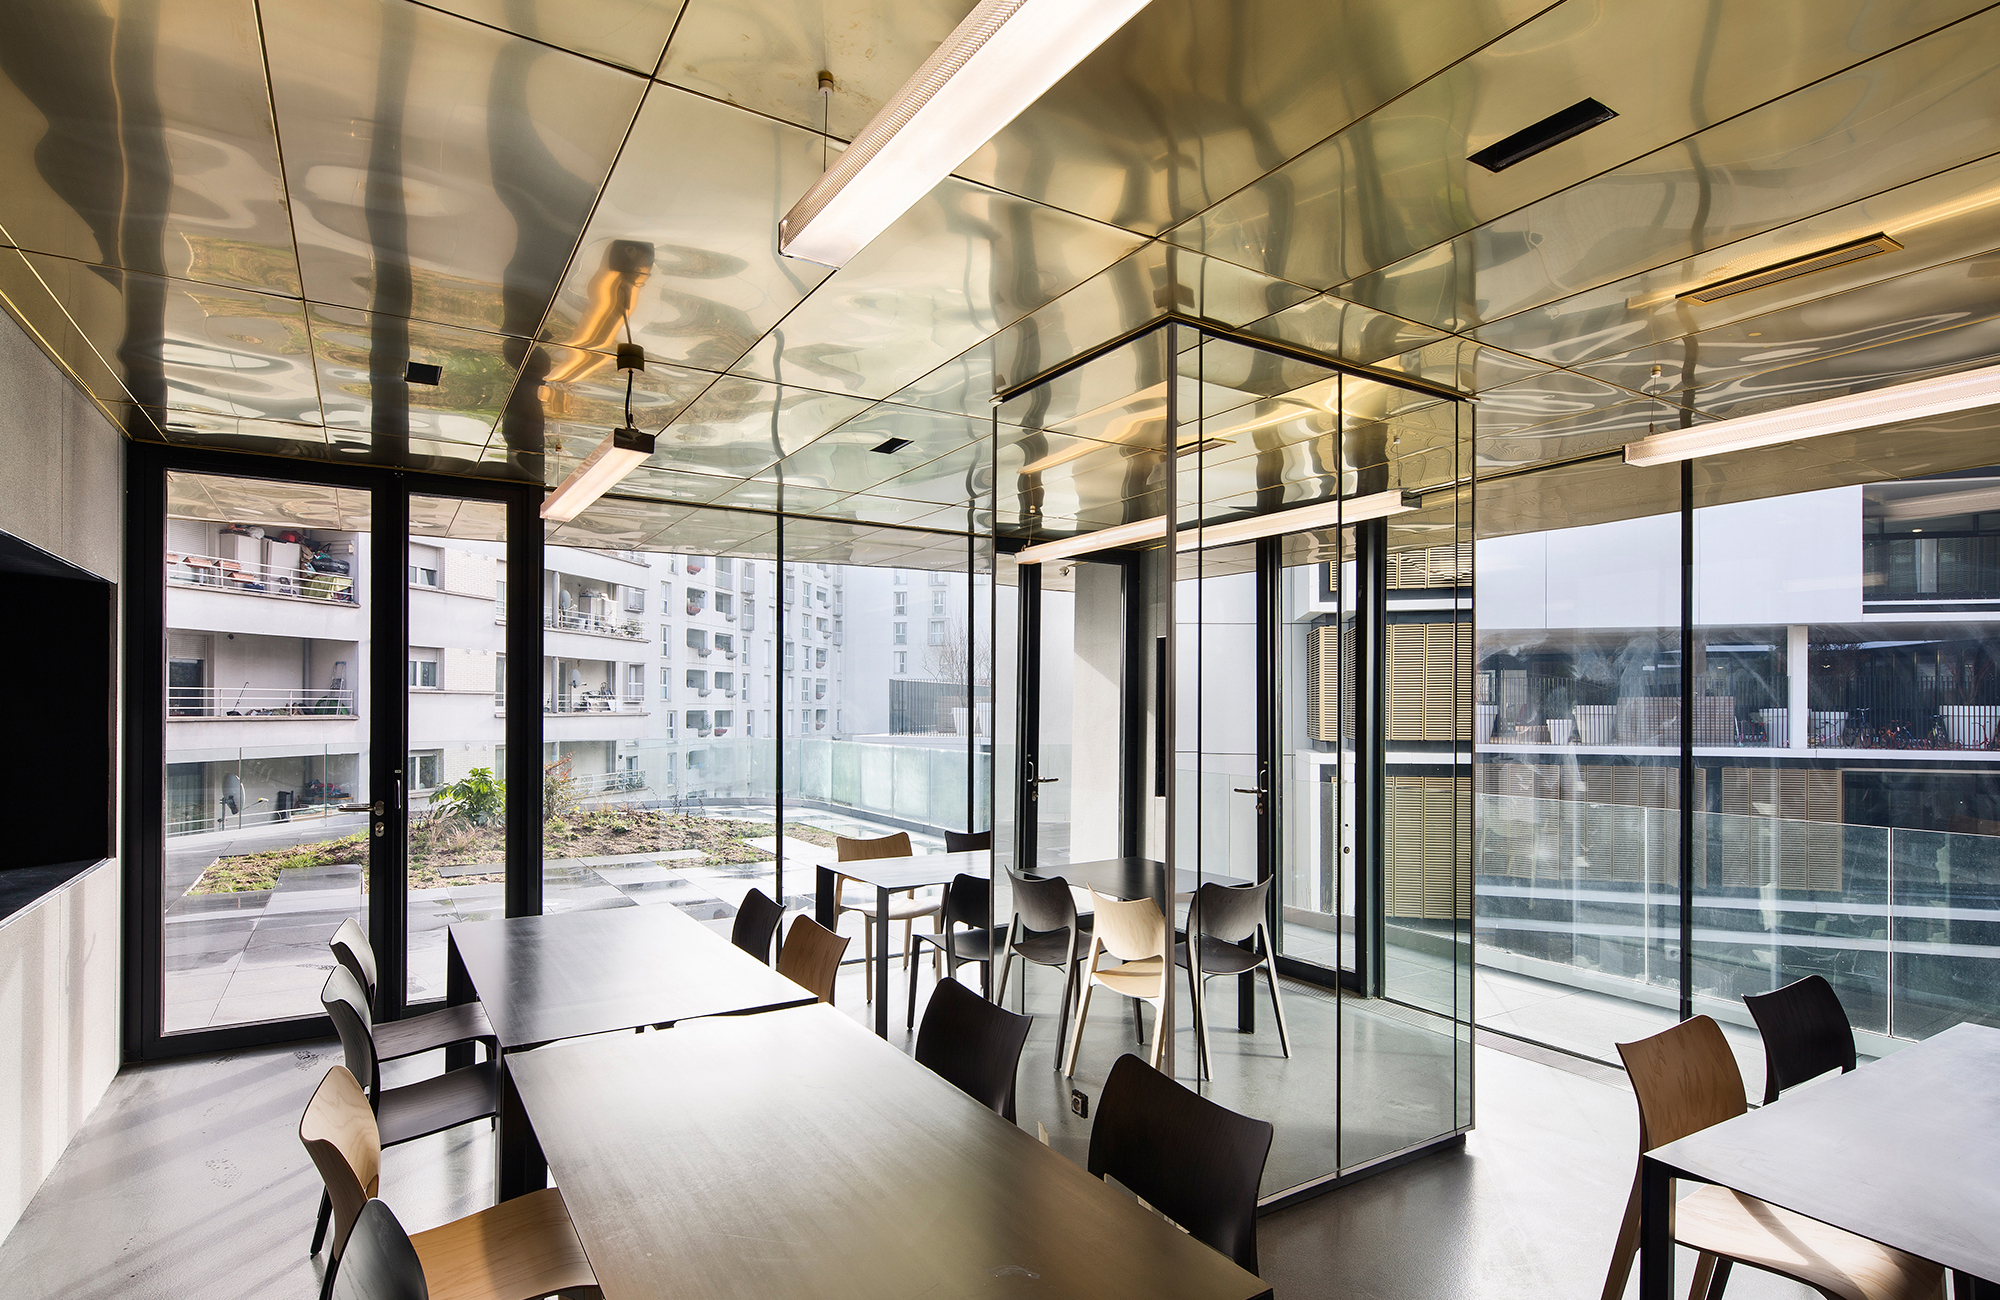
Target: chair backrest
[339, 1133]
[1131, 930]
[380, 1263]
[968, 900]
[757, 920]
[1194, 1161]
[1043, 905]
[967, 841]
[1686, 1079]
[351, 949]
[1805, 1033]
[973, 1044]
[811, 957]
[348, 1006]
[1231, 913]
[889, 846]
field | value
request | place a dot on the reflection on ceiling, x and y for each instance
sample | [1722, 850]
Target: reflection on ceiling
[238, 223]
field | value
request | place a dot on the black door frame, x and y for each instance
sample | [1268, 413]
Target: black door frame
[143, 843]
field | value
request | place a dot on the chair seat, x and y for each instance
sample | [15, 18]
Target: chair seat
[465, 1023]
[900, 908]
[1135, 979]
[969, 945]
[440, 1102]
[516, 1250]
[1219, 958]
[1052, 949]
[1753, 1232]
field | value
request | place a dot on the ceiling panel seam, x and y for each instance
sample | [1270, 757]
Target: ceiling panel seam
[285, 192]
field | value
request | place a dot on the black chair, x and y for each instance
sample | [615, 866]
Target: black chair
[973, 1044]
[1805, 1033]
[757, 920]
[967, 841]
[1047, 931]
[1194, 1161]
[1222, 920]
[379, 1263]
[414, 1110]
[968, 902]
[396, 1039]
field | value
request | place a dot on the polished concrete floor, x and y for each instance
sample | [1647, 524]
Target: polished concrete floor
[189, 1180]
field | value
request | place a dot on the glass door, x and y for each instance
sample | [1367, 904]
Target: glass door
[1077, 763]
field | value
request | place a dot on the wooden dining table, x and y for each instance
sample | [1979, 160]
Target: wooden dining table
[889, 877]
[1904, 1151]
[570, 974]
[795, 1153]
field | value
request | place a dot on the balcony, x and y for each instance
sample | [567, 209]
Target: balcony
[250, 703]
[599, 783]
[243, 578]
[574, 620]
[592, 702]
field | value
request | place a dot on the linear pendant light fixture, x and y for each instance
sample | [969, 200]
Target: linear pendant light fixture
[623, 451]
[1325, 514]
[994, 64]
[1928, 397]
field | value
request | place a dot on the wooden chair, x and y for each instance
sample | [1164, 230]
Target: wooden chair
[968, 903]
[1047, 931]
[518, 1249]
[906, 907]
[447, 1027]
[1194, 1161]
[967, 841]
[757, 920]
[810, 957]
[1805, 1033]
[1687, 1080]
[414, 1110]
[1136, 934]
[973, 1044]
[1224, 917]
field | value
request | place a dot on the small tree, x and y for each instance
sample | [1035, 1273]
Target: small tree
[476, 797]
[558, 789]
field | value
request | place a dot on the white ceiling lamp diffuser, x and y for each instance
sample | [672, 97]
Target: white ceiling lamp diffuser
[618, 455]
[1325, 514]
[1929, 397]
[994, 64]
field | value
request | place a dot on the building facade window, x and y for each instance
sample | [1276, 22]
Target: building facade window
[423, 576]
[902, 658]
[424, 673]
[899, 634]
[936, 632]
[902, 606]
[937, 602]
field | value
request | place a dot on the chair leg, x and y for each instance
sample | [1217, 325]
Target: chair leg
[867, 958]
[1626, 1247]
[1718, 1277]
[1157, 1057]
[1277, 1005]
[1076, 1030]
[1200, 1006]
[326, 1281]
[319, 1228]
[911, 1023]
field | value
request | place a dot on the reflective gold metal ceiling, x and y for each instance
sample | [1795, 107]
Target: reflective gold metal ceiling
[234, 221]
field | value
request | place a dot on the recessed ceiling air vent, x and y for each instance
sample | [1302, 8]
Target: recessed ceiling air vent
[417, 372]
[1206, 444]
[890, 446]
[1824, 260]
[1545, 134]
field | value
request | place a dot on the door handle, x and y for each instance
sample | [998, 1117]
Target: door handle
[1045, 780]
[1242, 790]
[359, 807]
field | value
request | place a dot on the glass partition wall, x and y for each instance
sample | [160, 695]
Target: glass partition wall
[1251, 679]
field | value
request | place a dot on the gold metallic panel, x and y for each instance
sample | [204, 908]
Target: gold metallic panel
[766, 55]
[1901, 362]
[270, 503]
[43, 316]
[1398, 181]
[1192, 100]
[741, 427]
[961, 264]
[957, 477]
[139, 135]
[1547, 397]
[653, 479]
[760, 494]
[867, 508]
[615, 523]
[1345, 329]
[417, 140]
[1574, 496]
[1938, 219]
[630, 33]
[461, 409]
[689, 221]
[596, 395]
[1915, 448]
[458, 517]
[1932, 104]
[1605, 429]
[258, 437]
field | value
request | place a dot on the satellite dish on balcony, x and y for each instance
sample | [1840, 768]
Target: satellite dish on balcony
[575, 679]
[232, 791]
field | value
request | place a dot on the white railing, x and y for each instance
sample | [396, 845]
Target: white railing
[592, 702]
[215, 573]
[570, 620]
[608, 782]
[257, 702]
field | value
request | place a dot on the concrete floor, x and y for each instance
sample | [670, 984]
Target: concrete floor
[189, 1179]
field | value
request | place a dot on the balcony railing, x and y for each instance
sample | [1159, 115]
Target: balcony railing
[595, 783]
[570, 620]
[592, 702]
[253, 702]
[214, 573]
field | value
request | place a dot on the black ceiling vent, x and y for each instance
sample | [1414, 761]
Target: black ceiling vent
[419, 373]
[1545, 134]
[892, 446]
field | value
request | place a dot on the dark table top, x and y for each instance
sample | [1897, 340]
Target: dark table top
[564, 975]
[916, 872]
[1130, 878]
[797, 1154]
[1904, 1151]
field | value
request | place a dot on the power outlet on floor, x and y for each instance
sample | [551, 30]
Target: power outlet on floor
[1079, 1104]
